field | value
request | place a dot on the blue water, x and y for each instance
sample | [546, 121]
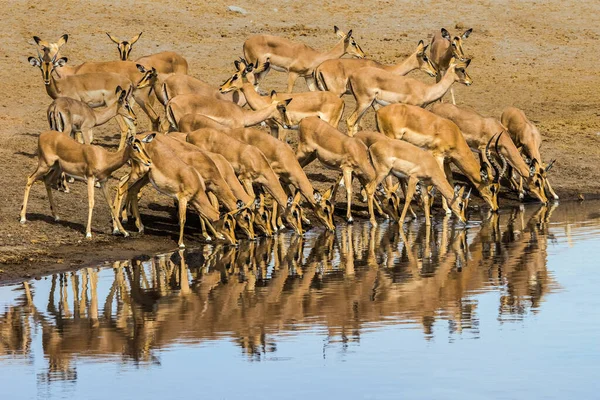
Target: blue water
[507, 308]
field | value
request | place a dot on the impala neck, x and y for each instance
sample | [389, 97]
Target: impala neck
[336, 52]
[273, 187]
[306, 188]
[409, 64]
[467, 163]
[256, 117]
[254, 100]
[513, 157]
[104, 114]
[52, 89]
[114, 161]
[438, 90]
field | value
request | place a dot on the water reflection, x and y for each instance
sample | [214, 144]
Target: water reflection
[339, 284]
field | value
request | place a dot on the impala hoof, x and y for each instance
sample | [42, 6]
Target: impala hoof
[141, 230]
[521, 196]
[448, 212]
[181, 246]
[22, 220]
[350, 220]
[556, 197]
[56, 218]
[125, 234]
[88, 235]
[208, 238]
[124, 219]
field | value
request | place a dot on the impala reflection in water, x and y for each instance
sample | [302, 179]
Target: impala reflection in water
[339, 286]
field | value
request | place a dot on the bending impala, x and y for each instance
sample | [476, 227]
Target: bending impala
[407, 161]
[318, 139]
[443, 139]
[251, 166]
[165, 62]
[76, 119]
[373, 85]
[443, 49]
[333, 75]
[176, 179]
[529, 140]
[324, 105]
[59, 153]
[478, 131]
[297, 59]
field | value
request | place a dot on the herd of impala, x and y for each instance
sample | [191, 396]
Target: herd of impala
[204, 154]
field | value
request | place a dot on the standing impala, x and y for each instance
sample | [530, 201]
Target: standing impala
[443, 49]
[332, 75]
[374, 85]
[165, 62]
[324, 105]
[59, 153]
[443, 139]
[297, 59]
[76, 119]
[529, 140]
[478, 131]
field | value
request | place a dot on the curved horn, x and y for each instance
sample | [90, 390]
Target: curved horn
[491, 159]
[504, 163]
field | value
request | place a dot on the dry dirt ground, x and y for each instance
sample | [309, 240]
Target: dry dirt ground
[539, 56]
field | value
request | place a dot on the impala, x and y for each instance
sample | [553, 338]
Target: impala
[324, 105]
[374, 85]
[297, 59]
[332, 75]
[59, 153]
[318, 139]
[529, 140]
[478, 130]
[444, 140]
[76, 119]
[443, 49]
[165, 62]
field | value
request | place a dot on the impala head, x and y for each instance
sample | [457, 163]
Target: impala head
[226, 227]
[49, 50]
[460, 71]
[262, 216]
[490, 186]
[390, 201]
[138, 150]
[124, 46]
[244, 218]
[244, 71]
[536, 179]
[323, 208]
[350, 45]
[148, 78]
[124, 108]
[293, 213]
[456, 43]
[425, 64]
[47, 66]
[283, 117]
[460, 202]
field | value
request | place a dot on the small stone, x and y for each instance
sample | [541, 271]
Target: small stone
[459, 25]
[237, 9]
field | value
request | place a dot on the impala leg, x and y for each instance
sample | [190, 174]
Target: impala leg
[90, 187]
[552, 192]
[213, 199]
[403, 185]
[41, 170]
[292, 76]
[87, 136]
[310, 82]
[305, 156]
[370, 189]
[132, 198]
[182, 208]
[113, 214]
[47, 181]
[118, 202]
[448, 172]
[410, 192]
[426, 201]
[348, 183]
[142, 99]
[354, 119]
[452, 94]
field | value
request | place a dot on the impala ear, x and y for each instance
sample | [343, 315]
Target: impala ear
[445, 34]
[467, 33]
[130, 140]
[349, 34]
[62, 40]
[288, 101]
[420, 47]
[149, 138]
[60, 62]
[425, 48]
[236, 64]
[467, 63]
[37, 40]
[118, 89]
[34, 61]
[135, 38]
[239, 204]
[114, 39]
[456, 189]
[338, 32]
[484, 174]
[328, 193]
[141, 68]
[297, 197]
[317, 196]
